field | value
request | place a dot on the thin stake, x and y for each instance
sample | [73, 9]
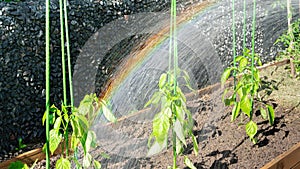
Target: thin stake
[244, 27]
[62, 44]
[234, 44]
[68, 53]
[253, 53]
[47, 81]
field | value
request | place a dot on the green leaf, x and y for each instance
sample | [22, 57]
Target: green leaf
[246, 105]
[85, 108]
[83, 124]
[74, 141]
[179, 147]
[162, 80]
[235, 111]
[178, 112]
[54, 141]
[156, 148]
[57, 123]
[243, 63]
[33, 165]
[225, 75]
[108, 114]
[188, 163]
[44, 118]
[154, 99]
[161, 125]
[63, 163]
[87, 160]
[97, 164]
[179, 131]
[263, 113]
[89, 140]
[251, 129]
[17, 165]
[271, 114]
[195, 143]
[104, 155]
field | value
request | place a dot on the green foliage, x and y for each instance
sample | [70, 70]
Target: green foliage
[173, 115]
[291, 42]
[247, 86]
[80, 119]
[20, 144]
[19, 165]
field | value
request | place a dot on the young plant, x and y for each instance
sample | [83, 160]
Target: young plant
[79, 119]
[20, 144]
[291, 41]
[173, 116]
[245, 90]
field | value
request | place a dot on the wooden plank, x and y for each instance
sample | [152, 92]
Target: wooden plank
[30, 156]
[288, 160]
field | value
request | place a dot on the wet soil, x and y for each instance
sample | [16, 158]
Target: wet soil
[222, 144]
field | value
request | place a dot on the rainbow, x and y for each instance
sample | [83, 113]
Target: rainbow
[143, 52]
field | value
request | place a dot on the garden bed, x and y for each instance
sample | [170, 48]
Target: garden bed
[223, 144]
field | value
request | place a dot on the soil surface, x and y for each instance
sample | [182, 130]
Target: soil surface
[222, 144]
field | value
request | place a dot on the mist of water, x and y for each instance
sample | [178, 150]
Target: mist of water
[204, 47]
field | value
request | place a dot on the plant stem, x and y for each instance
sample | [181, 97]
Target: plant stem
[252, 56]
[174, 148]
[47, 81]
[69, 70]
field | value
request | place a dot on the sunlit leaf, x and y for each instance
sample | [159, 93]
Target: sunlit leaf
[87, 160]
[263, 113]
[54, 141]
[161, 127]
[179, 113]
[85, 108]
[179, 131]
[179, 147]
[108, 114]
[195, 144]
[235, 111]
[57, 123]
[83, 124]
[162, 80]
[156, 148]
[97, 164]
[63, 163]
[225, 75]
[251, 129]
[246, 105]
[89, 140]
[74, 141]
[271, 114]
[243, 63]
[188, 163]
